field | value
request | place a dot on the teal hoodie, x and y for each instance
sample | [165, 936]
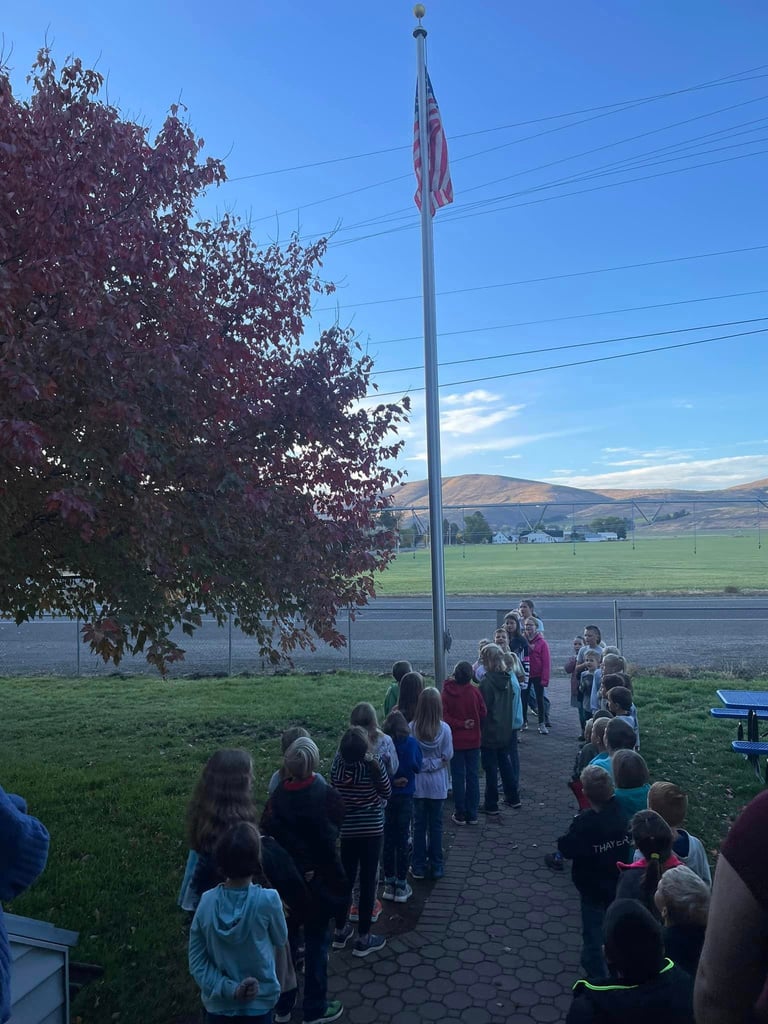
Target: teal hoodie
[633, 800]
[234, 935]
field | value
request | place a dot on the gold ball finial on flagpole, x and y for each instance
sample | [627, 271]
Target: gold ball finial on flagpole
[419, 11]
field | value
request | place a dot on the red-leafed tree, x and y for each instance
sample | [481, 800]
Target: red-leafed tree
[165, 433]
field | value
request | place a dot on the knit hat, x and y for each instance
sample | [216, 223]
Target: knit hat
[668, 800]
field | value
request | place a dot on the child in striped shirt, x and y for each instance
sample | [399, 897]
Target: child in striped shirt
[362, 781]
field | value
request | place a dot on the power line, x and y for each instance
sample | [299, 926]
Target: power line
[735, 79]
[576, 344]
[580, 362]
[551, 277]
[605, 113]
[545, 199]
[406, 213]
[570, 316]
[636, 162]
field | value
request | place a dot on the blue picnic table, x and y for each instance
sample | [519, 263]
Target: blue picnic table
[751, 700]
[754, 705]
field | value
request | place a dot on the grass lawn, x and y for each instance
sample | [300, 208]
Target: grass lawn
[660, 566]
[109, 765]
[682, 743]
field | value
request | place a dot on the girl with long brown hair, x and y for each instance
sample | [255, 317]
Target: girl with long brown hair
[434, 737]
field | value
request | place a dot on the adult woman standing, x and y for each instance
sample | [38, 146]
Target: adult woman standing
[518, 645]
[733, 969]
[539, 667]
[571, 669]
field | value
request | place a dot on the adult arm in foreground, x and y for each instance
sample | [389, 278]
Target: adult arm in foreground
[734, 962]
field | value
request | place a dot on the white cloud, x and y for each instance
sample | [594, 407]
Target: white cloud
[616, 451]
[695, 474]
[477, 397]
[474, 421]
[499, 444]
[512, 456]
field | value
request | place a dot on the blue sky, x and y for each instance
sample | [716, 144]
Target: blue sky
[274, 86]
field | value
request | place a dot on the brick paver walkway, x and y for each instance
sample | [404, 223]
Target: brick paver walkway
[499, 939]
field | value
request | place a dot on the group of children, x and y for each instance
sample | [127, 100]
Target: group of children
[325, 845]
[643, 880]
[320, 844]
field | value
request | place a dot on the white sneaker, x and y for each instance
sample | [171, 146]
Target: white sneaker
[403, 893]
[543, 730]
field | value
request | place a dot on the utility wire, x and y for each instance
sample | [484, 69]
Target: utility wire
[576, 344]
[396, 214]
[580, 362]
[675, 151]
[570, 316]
[551, 277]
[544, 199]
[735, 79]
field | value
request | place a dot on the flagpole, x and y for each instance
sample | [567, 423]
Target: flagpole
[434, 468]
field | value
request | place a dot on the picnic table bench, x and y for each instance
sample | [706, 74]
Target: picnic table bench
[752, 704]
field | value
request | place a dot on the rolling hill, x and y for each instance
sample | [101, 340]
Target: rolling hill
[499, 498]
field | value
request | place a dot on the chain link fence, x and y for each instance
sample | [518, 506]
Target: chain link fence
[727, 636]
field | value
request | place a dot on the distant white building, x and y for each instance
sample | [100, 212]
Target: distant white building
[594, 538]
[539, 537]
[608, 535]
[503, 538]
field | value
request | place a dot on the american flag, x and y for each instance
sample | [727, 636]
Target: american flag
[440, 185]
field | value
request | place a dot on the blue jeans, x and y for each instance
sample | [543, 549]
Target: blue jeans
[317, 939]
[465, 775]
[397, 822]
[592, 916]
[497, 761]
[514, 763]
[428, 837]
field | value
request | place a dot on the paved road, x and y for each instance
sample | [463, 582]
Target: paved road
[723, 632]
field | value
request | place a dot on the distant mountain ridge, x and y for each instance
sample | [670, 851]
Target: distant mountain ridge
[472, 491]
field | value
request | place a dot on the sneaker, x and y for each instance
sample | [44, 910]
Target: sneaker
[370, 944]
[514, 804]
[283, 1018]
[418, 875]
[332, 1012]
[388, 892]
[525, 727]
[554, 861]
[473, 821]
[458, 819]
[341, 937]
[547, 723]
[543, 730]
[354, 911]
[403, 892]
[438, 873]
[490, 814]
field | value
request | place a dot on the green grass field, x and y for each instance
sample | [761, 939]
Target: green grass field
[109, 766]
[653, 566]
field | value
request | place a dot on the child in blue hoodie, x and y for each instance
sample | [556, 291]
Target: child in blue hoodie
[399, 809]
[236, 930]
[23, 853]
